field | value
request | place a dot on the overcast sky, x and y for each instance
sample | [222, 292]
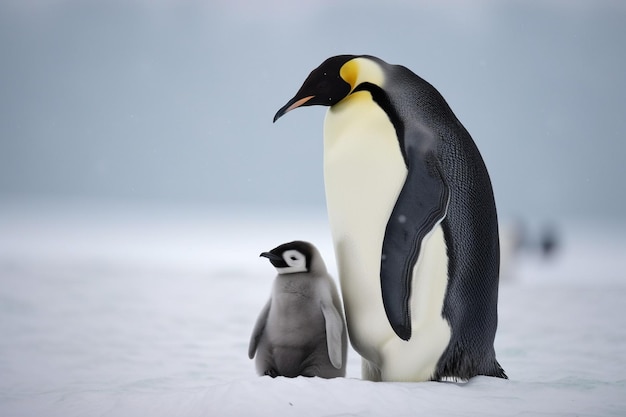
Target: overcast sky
[172, 101]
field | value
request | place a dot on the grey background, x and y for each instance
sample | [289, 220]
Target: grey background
[172, 101]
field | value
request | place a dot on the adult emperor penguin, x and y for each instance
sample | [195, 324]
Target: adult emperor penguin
[413, 220]
[301, 329]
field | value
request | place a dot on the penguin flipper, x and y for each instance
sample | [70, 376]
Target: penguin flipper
[258, 329]
[334, 330]
[421, 204]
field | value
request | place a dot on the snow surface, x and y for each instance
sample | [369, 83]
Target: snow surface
[131, 311]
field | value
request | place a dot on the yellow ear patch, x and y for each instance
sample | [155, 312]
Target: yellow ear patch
[360, 70]
[349, 72]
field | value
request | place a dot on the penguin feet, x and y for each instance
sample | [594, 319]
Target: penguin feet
[271, 372]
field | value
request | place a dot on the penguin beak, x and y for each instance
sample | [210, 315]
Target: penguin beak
[291, 104]
[271, 256]
[276, 260]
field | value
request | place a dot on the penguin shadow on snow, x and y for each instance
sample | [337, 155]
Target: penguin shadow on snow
[301, 330]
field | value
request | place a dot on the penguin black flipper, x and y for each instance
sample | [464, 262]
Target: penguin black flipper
[414, 215]
[421, 204]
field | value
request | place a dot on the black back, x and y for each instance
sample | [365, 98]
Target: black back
[423, 120]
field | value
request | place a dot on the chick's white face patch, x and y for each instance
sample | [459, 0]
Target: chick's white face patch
[295, 260]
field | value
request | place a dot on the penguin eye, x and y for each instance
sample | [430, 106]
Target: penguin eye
[294, 258]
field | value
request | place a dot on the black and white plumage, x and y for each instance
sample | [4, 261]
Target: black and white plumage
[414, 222]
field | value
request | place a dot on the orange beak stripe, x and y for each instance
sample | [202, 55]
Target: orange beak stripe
[298, 103]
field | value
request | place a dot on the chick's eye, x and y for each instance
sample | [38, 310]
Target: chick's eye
[294, 258]
[295, 261]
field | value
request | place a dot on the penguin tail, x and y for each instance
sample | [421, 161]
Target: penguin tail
[458, 364]
[498, 371]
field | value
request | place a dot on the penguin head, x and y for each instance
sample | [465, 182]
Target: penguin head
[333, 80]
[294, 257]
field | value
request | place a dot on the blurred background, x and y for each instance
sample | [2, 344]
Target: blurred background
[168, 103]
[171, 102]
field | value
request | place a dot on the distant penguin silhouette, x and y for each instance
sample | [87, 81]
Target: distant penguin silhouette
[414, 223]
[549, 242]
[301, 330]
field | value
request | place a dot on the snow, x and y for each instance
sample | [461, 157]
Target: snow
[115, 310]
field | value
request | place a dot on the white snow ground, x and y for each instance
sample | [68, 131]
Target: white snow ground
[137, 311]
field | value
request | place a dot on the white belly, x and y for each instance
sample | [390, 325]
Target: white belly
[364, 172]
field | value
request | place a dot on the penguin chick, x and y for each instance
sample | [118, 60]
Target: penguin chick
[301, 330]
